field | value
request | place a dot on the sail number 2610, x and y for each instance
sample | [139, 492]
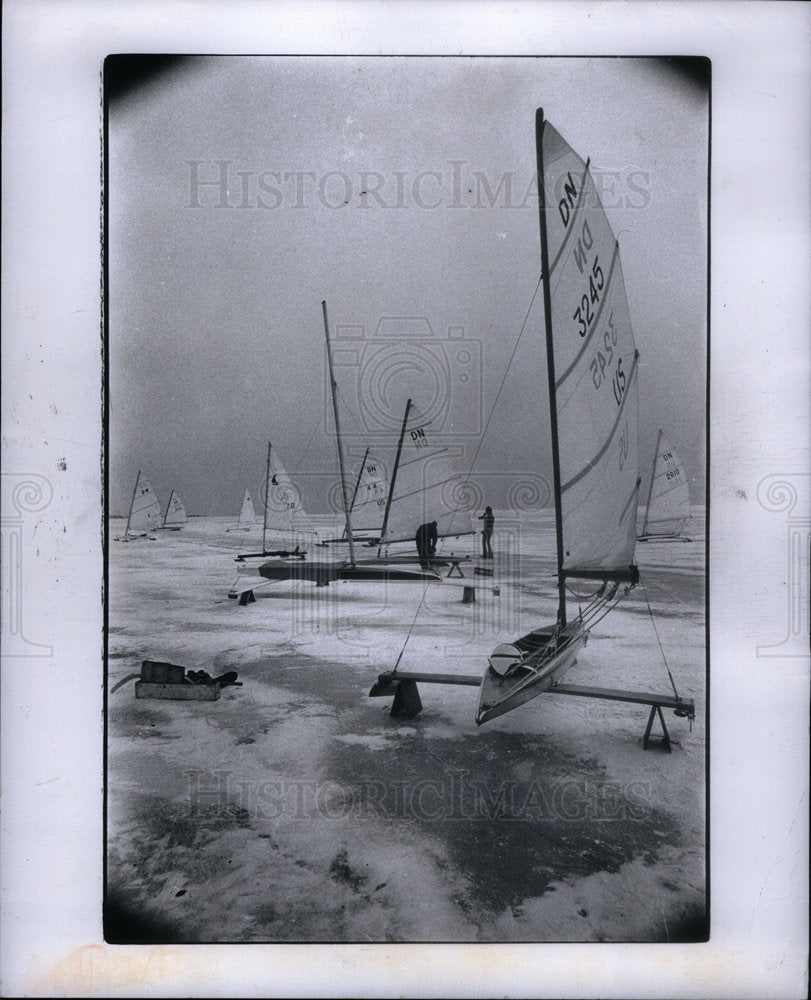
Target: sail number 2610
[584, 314]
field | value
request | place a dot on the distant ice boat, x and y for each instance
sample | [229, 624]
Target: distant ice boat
[368, 503]
[404, 568]
[668, 509]
[286, 528]
[424, 486]
[175, 516]
[145, 511]
[247, 515]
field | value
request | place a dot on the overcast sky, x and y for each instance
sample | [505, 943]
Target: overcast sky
[401, 191]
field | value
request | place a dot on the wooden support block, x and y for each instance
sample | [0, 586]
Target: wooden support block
[664, 739]
[406, 700]
[468, 595]
[177, 692]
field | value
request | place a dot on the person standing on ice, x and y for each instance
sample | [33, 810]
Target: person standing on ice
[426, 539]
[487, 532]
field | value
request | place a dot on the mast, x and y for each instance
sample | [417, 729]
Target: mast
[384, 528]
[338, 437]
[168, 507]
[652, 477]
[357, 481]
[550, 365]
[267, 503]
[132, 502]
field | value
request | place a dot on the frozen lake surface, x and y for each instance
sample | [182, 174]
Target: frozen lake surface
[296, 809]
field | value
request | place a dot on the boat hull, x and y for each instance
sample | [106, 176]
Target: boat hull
[500, 694]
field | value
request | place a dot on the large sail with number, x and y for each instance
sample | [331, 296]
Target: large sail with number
[668, 509]
[424, 485]
[592, 366]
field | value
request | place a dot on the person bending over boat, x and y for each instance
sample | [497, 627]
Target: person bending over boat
[487, 532]
[426, 539]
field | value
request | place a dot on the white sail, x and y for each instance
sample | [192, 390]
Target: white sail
[145, 510]
[286, 524]
[668, 509]
[369, 501]
[247, 515]
[593, 367]
[175, 516]
[425, 486]
[591, 372]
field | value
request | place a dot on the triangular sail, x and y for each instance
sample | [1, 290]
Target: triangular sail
[369, 500]
[593, 372]
[145, 510]
[668, 509]
[285, 523]
[425, 486]
[247, 514]
[175, 516]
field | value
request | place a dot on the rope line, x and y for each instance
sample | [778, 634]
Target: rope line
[483, 435]
[661, 650]
[475, 456]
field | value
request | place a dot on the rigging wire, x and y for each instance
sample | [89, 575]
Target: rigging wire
[661, 649]
[309, 442]
[476, 453]
[410, 628]
[500, 389]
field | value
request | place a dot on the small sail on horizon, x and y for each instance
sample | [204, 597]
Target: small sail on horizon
[145, 509]
[424, 485]
[668, 509]
[247, 515]
[286, 524]
[175, 516]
